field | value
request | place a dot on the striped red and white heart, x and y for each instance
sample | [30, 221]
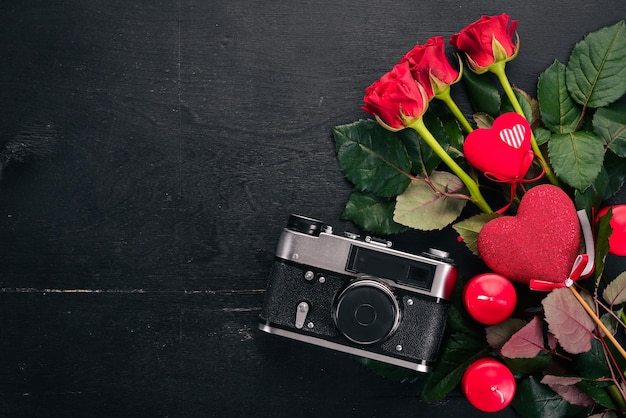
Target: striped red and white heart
[502, 151]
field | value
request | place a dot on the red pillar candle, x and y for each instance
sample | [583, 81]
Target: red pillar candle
[617, 241]
[488, 385]
[489, 298]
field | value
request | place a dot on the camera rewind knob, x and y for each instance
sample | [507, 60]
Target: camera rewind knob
[305, 225]
[438, 253]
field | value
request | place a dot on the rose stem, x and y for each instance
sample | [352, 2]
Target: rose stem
[616, 396]
[445, 97]
[419, 126]
[498, 70]
[598, 322]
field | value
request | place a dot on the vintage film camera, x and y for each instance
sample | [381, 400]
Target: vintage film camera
[358, 296]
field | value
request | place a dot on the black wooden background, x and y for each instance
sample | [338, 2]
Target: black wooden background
[181, 134]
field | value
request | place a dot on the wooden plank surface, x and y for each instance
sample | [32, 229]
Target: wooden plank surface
[134, 256]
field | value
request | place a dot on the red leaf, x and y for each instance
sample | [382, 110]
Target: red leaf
[568, 321]
[550, 379]
[615, 292]
[605, 414]
[499, 334]
[567, 389]
[527, 342]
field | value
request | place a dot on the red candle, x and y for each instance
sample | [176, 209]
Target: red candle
[617, 241]
[488, 385]
[489, 298]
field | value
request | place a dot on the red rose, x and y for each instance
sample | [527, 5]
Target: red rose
[487, 41]
[430, 66]
[396, 99]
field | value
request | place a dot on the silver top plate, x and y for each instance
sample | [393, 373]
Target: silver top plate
[332, 252]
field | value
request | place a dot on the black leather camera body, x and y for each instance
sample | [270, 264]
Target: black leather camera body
[358, 296]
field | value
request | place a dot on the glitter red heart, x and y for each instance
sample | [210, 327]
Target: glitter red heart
[502, 152]
[540, 242]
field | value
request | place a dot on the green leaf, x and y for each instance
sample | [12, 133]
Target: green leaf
[576, 157]
[592, 364]
[597, 390]
[463, 342]
[529, 105]
[459, 320]
[469, 228]
[602, 234]
[433, 121]
[596, 70]
[423, 158]
[594, 194]
[542, 136]
[616, 171]
[421, 207]
[610, 321]
[483, 120]
[497, 335]
[440, 124]
[483, 93]
[371, 213]
[461, 345]
[558, 111]
[609, 123]
[529, 365]
[454, 133]
[536, 400]
[372, 158]
[444, 127]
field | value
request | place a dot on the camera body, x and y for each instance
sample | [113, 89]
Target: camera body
[358, 296]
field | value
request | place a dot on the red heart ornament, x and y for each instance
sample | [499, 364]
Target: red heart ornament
[502, 152]
[540, 242]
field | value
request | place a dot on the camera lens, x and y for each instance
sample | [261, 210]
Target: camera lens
[366, 312]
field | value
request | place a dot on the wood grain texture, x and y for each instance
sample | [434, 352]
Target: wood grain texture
[134, 256]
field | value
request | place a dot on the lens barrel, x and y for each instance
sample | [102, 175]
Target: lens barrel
[366, 312]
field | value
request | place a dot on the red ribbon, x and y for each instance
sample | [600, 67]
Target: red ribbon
[514, 182]
[583, 265]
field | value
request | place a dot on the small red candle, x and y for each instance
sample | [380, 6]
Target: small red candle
[617, 240]
[488, 385]
[489, 298]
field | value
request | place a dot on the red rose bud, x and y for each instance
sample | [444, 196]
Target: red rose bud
[430, 66]
[487, 41]
[617, 240]
[396, 99]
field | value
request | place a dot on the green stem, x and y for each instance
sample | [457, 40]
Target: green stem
[616, 396]
[445, 97]
[498, 70]
[471, 185]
